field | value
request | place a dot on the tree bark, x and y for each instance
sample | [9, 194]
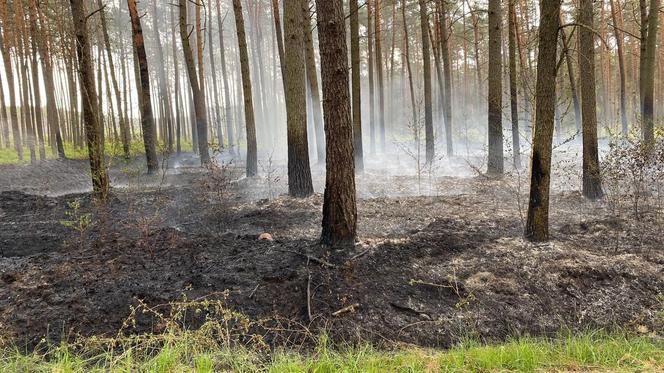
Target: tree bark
[299, 172]
[250, 124]
[89, 103]
[372, 101]
[592, 186]
[339, 203]
[147, 119]
[537, 223]
[495, 94]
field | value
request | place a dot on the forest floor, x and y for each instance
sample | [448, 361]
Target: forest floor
[436, 262]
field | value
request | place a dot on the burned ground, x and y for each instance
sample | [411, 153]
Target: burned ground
[427, 270]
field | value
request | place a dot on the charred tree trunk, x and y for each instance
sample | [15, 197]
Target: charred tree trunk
[339, 203]
[592, 186]
[299, 172]
[495, 95]
[537, 224]
[356, 84]
[89, 98]
[250, 124]
[147, 119]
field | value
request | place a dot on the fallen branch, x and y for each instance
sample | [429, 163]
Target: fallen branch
[347, 309]
[359, 255]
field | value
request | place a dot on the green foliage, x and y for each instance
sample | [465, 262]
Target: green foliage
[184, 352]
[76, 220]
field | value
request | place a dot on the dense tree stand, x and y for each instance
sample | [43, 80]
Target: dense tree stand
[339, 205]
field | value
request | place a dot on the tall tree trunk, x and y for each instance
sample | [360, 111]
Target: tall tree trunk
[124, 131]
[339, 202]
[299, 172]
[379, 75]
[35, 85]
[145, 101]
[250, 124]
[89, 98]
[280, 37]
[592, 186]
[447, 71]
[495, 95]
[356, 84]
[196, 88]
[648, 74]
[312, 79]
[537, 224]
[230, 133]
[176, 72]
[514, 109]
[5, 48]
[162, 87]
[372, 101]
[408, 64]
[572, 79]
[426, 56]
[215, 91]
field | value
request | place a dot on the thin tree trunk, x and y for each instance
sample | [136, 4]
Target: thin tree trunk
[147, 119]
[5, 48]
[379, 73]
[124, 132]
[616, 16]
[537, 224]
[514, 109]
[196, 88]
[215, 91]
[572, 79]
[408, 65]
[372, 101]
[426, 56]
[356, 84]
[176, 72]
[250, 124]
[312, 79]
[339, 201]
[230, 133]
[447, 71]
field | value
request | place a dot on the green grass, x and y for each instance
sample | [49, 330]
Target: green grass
[598, 352]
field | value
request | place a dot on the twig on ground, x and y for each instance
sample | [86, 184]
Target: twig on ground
[359, 255]
[254, 291]
[347, 309]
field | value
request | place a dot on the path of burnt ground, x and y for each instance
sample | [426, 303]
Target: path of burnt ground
[428, 271]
